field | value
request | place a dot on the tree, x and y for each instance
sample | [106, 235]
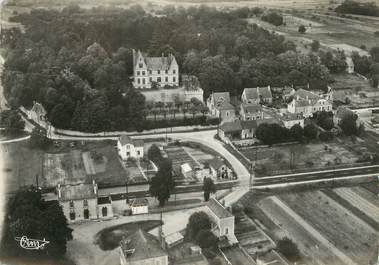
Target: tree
[273, 18]
[206, 239]
[30, 215]
[348, 124]
[315, 45]
[374, 52]
[208, 188]
[289, 249]
[325, 119]
[38, 138]
[198, 221]
[302, 29]
[297, 132]
[162, 184]
[310, 131]
[12, 122]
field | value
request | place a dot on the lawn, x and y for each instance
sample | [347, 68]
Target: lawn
[299, 156]
[110, 238]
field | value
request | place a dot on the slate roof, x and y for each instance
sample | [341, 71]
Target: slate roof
[216, 163]
[220, 96]
[145, 246]
[305, 94]
[77, 192]
[257, 92]
[302, 103]
[249, 124]
[225, 106]
[251, 108]
[125, 139]
[232, 126]
[219, 210]
[157, 63]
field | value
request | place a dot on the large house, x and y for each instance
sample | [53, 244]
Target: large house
[81, 202]
[250, 111]
[222, 220]
[241, 130]
[129, 148]
[219, 106]
[142, 248]
[306, 103]
[147, 71]
[257, 95]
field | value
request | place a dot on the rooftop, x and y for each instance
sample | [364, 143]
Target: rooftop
[220, 97]
[141, 246]
[77, 192]
[140, 202]
[305, 94]
[216, 163]
[251, 108]
[232, 126]
[219, 210]
[125, 139]
[257, 92]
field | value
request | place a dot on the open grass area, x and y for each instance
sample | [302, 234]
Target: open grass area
[21, 165]
[110, 238]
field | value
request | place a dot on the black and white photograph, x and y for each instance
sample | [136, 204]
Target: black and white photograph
[189, 132]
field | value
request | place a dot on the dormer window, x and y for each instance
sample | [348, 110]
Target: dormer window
[85, 203]
[140, 65]
[71, 204]
[159, 72]
[166, 71]
[174, 71]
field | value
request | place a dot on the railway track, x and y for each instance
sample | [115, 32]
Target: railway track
[327, 174]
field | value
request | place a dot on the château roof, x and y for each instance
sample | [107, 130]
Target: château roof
[141, 246]
[305, 94]
[220, 96]
[156, 63]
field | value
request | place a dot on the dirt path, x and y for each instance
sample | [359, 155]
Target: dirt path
[342, 256]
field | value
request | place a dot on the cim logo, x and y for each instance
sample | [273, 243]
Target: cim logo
[32, 244]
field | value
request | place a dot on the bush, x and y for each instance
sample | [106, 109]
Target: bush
[273, 18]
[302, 29]
[289, 249]
[326, 136]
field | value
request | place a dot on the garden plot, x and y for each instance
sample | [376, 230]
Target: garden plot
[339, 226]
[134, 172]
[179, 156]
[277, 158]
[198, 155]
[94, 162]
[66, 168]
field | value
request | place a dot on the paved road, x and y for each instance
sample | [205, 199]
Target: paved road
[15, 140]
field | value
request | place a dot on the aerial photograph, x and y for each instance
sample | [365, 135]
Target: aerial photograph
[189, 132]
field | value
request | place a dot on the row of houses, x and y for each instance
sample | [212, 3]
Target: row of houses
[240, 120]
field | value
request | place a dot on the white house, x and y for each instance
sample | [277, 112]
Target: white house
[306, 103]
[219, 106]
[290, 119]
[81, 202]
[129, 148]
[222, 220]
[163, 71]
[139, 206]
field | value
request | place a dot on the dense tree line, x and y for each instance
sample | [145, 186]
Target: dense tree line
[368, 65]
[77, 62]
[28, 214]
[358, 8]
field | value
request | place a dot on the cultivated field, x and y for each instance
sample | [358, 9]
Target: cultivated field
[341, 228]
[278, 158]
